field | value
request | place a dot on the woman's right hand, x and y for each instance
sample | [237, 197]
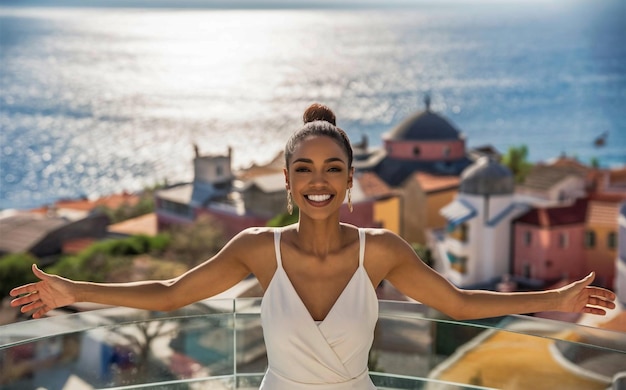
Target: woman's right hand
[50, 292]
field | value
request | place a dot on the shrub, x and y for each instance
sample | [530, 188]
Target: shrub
[15, 270]
[99, 260]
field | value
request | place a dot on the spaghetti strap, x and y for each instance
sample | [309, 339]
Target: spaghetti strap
[361, 246]
[279, 262]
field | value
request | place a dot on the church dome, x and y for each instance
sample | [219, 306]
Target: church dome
[487, 177]
[424, 126]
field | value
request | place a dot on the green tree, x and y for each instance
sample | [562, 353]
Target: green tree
[284, 219]
[194, 243]
[15, 270]
[516, 159]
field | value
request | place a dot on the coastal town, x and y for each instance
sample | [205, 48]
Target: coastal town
[477, 216]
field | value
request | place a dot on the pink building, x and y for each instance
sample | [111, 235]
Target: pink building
[548, 243]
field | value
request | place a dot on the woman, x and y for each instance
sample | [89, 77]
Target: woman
[319, 307]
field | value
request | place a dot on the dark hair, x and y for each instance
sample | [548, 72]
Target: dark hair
[319, 112]
[318, 128]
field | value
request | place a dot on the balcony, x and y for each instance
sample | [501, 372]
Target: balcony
[218, 344]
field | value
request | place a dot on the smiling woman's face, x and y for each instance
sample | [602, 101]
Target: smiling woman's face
[318, 176]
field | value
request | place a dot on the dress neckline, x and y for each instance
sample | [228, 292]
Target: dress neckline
[279, 266]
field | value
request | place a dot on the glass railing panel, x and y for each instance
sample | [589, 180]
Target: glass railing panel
[32, 330]
[119, 347]
[495, 352]
[250, 345]
[219, 344]
[541, 327]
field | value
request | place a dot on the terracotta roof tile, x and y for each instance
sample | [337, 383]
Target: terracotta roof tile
[431, 183]
[111, 201]
[372, 185]
[145, 224]
[556, 216]
[602, 213]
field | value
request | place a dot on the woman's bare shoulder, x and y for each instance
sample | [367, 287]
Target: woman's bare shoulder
[382, 236]
[253, 237]
[385, 241]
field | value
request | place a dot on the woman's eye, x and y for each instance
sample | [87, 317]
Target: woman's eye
[302, 169]
[334, 169]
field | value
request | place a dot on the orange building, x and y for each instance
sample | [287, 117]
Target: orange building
[601, 237]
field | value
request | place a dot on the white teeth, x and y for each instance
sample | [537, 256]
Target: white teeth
[318, 198]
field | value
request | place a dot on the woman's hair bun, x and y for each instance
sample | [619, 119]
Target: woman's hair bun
[319, 112]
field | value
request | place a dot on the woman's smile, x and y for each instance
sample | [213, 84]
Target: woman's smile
[319, 200]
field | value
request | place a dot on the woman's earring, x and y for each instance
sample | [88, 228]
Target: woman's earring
[349, 200]
[289, 203]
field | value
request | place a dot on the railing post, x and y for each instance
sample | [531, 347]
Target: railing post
[235, 343]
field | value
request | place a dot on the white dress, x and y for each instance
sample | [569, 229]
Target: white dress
[326, 355]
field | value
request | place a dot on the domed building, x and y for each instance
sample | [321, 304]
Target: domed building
[426, 137]
[421, 159]
[424, 142]
[475, 249]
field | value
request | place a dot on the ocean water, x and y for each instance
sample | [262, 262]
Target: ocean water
[100, 100]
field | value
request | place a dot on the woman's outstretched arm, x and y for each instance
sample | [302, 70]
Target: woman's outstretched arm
[213, 276]
[418, 281]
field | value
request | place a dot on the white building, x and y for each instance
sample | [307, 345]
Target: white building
[476, 246]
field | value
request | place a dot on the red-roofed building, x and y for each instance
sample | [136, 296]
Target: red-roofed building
[547, 242]
[113, 201]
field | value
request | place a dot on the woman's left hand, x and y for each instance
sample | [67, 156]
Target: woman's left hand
[581, 297]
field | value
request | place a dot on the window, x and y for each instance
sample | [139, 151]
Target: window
[459, 232]
[176, 208]
[611, 240]
[563, 240]
[458, 263]
[590, 239]
[528, 238]
[219, 171]
[416, 151]
[446, 151]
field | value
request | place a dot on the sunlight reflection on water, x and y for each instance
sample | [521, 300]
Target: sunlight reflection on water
[98, 101]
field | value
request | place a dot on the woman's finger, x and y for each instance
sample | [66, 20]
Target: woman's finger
[25, 298]
[25, 289]
[31, 306]
[594, 310]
